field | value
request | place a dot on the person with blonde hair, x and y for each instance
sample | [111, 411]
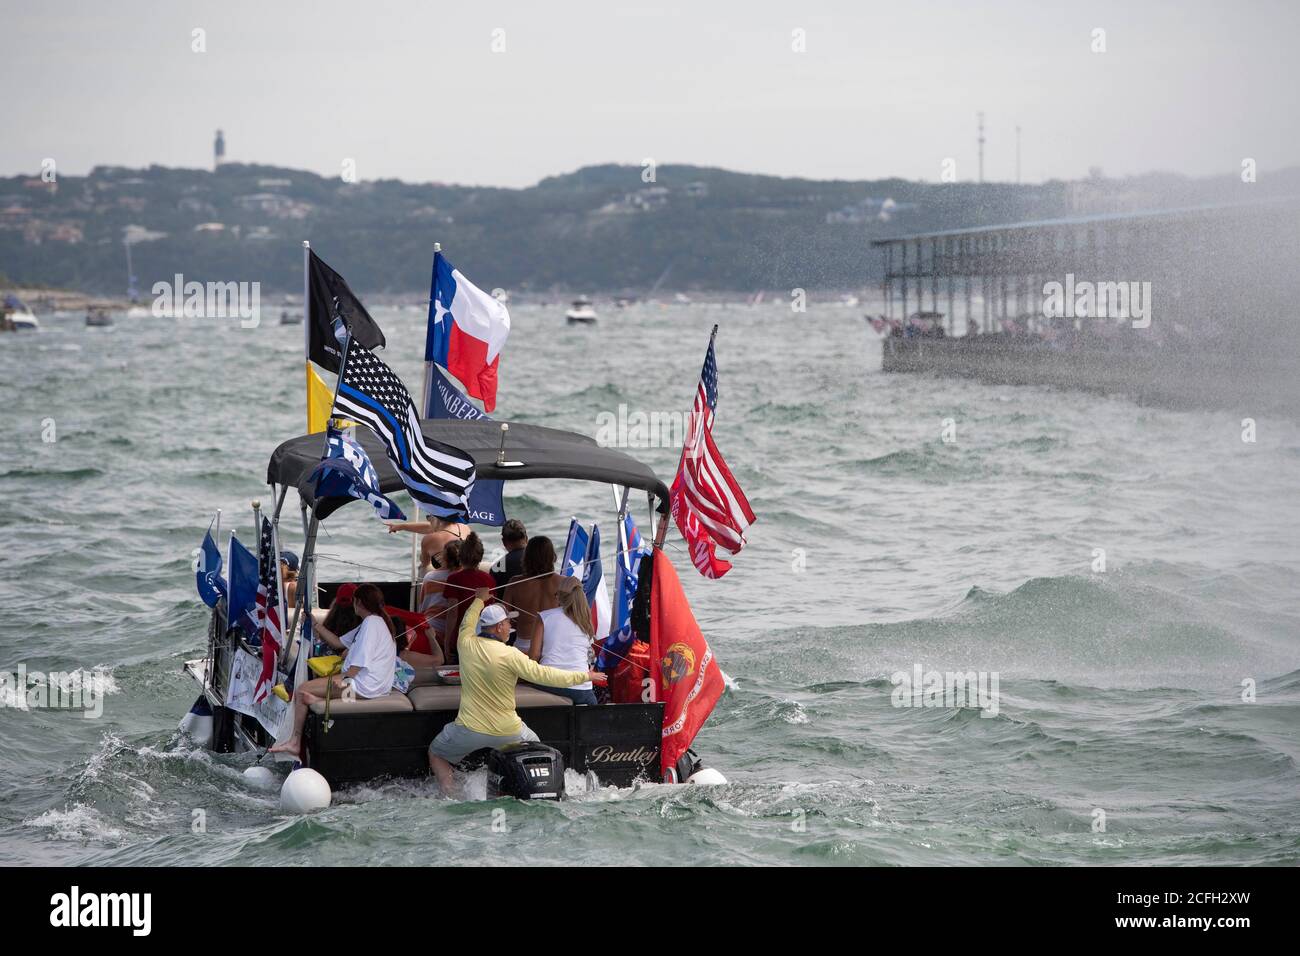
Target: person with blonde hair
[565, 636]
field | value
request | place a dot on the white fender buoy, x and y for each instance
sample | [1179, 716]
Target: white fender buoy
[261, 777]
[198, 727]
[707, 777]
[303, 791]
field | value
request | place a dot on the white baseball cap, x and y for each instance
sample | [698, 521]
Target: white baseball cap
[492, 615]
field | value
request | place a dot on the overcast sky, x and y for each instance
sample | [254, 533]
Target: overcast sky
[414, 90]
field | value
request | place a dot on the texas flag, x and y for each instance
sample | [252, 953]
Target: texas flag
[593, 584]
[581, 560]
[467, 328]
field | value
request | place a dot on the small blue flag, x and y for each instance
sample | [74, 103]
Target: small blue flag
[346, 471]
[241, 603]
[626, 572]
[207, 572]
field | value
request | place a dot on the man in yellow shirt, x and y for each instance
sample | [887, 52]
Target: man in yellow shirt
[489, 670]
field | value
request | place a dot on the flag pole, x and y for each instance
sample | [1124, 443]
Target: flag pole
[424, 411]
[257, 528]
[283, 654]
[216, 526]
[428, 372]
[343, 364]
[306, 322]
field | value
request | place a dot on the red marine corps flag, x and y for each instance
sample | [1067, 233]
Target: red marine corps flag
[683, 671]
[710, 509]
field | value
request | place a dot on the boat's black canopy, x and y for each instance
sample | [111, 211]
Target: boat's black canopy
[543, 452]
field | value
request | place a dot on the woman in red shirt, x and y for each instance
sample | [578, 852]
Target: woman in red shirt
[460, 586]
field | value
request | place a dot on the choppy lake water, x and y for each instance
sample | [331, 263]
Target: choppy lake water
[880, 546]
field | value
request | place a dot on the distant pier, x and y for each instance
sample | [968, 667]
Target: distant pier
[1221, 302]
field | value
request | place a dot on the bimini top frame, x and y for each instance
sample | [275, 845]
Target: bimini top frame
[500, 450]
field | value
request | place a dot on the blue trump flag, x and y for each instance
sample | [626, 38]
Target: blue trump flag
[241, 603]
[207, 572]
[445, 400]
[626, 572]
[346, 471]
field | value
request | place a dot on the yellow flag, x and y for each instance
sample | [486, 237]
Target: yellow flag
[320, 398]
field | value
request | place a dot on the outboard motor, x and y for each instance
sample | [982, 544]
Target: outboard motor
[525, 771]
[687, 764]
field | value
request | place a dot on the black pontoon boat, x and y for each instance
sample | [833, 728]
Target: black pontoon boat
[364, 739]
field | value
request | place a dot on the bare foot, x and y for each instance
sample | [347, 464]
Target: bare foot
[291, 746]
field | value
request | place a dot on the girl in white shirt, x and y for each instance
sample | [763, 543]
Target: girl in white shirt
[369, 664]
[565, 635]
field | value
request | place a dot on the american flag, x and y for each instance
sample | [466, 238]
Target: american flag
[438, 476]
[268, 608]
[710, 509]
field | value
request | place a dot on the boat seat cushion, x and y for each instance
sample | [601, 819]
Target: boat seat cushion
[392, 703]
[528, 696]
[425, 677]
[447, 697]
[435, 697]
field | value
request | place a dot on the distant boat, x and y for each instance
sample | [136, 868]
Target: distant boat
[581, 312]
[290, 318]
[17, 316]
[98, 319]
[681, 298]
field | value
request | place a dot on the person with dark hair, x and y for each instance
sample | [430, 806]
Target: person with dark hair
[289, 575]
[514, 538]
[369, 664]
[533, 592]
[341, 616]
[460, 586]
